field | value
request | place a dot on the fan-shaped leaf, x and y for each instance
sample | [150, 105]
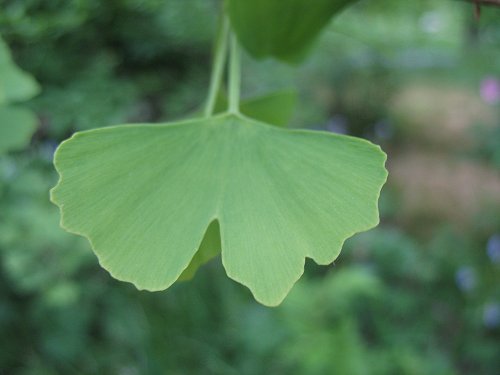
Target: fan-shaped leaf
[278, 28]
[144, 196]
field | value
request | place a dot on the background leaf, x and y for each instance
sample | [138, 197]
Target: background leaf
[16, 124]
[280, 29]
[275, 108]
[15, 85]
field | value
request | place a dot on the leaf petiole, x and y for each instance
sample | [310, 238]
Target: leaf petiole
[234, 76]
[219, 62]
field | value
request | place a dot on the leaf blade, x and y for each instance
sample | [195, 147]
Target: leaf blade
[275, 198]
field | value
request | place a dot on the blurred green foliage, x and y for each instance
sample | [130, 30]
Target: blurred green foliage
[414, 297]
[17, 124]
[95, 75]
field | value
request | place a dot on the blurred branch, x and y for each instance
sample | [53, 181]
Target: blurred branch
[479, 3]
[485, 2]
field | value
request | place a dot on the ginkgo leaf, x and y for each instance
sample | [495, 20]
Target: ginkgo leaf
[16, 128]
[280, 29]
[144, 196]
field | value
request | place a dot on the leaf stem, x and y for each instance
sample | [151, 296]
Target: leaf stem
[219, 61]
[234, 76]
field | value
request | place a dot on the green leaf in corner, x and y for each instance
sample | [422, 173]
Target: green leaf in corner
[15, 85]
[16, 128]
[144, 196]
[278, 28]
[16, 124]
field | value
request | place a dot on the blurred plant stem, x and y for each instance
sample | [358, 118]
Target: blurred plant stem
[234, 76]
[219, 61]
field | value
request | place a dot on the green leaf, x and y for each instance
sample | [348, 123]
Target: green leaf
[5, 56]
[274, 108]
[16, 128]
[144, 196]
[15, 85]
[280, 29]
[16, 124]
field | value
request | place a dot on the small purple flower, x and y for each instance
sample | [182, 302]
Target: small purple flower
[490, 90]
[491, 315]
[493, 248]
[465, 278]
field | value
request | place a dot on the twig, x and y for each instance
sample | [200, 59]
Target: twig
[485, 2]
[479, 3]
